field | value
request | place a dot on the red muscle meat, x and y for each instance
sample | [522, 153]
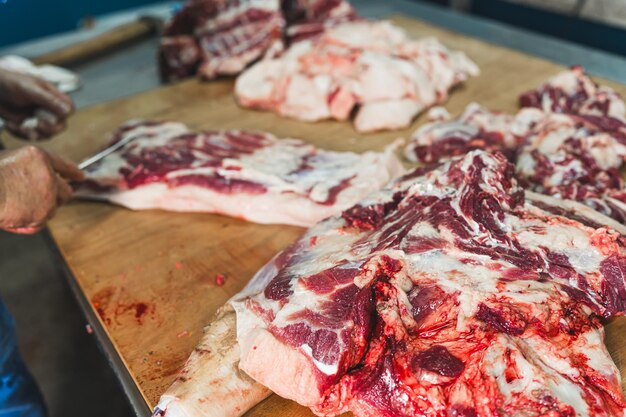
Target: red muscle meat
[250, 175]
[449, 293]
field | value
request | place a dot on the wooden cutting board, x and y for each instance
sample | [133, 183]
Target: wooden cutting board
[151, 275]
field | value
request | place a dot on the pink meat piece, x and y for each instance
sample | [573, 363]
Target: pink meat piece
[250, 175]
[574, 92]
[476, 128]
[371, 66]
[448, 293]
[222, 37]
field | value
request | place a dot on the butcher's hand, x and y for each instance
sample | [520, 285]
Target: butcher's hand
[34, 100]
[33, 183]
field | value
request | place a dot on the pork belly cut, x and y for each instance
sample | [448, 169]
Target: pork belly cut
[251, 175]
[372, 67]
[575, 92]
[448, 293]
[222, 37]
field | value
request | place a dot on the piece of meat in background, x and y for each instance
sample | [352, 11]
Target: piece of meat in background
[221, 37]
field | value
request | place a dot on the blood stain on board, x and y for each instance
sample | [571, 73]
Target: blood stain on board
[101, 301]
[220, 279]
[114, 306]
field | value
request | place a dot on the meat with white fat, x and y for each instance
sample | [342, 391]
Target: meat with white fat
[449, 291]
[250, 175]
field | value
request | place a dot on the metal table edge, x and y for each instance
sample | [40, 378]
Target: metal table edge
[129, 386]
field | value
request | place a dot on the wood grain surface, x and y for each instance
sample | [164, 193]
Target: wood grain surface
[151, 274]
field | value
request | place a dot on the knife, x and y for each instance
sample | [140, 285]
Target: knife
[107, 151]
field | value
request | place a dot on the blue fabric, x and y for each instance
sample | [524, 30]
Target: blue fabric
[19, 396]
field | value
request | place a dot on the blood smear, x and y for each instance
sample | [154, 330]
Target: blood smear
[220, 279]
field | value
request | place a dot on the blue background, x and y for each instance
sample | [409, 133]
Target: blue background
[21, 20]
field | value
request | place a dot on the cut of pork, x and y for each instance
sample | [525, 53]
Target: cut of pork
[575, 93]
[251, 175]
[222, 37]
[448, 293]
[372, 66]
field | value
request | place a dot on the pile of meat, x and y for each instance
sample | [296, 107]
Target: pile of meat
[369, 66]
[251, 175]
[452, 292]
[319, 60]
[569, 141]
[222, 37]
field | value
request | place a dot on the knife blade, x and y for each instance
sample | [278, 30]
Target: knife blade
[107, 151]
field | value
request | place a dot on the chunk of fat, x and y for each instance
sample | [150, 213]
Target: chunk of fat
[211, 384]
[392, 114]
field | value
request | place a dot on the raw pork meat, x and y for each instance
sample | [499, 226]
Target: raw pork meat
[255, 176]
[574, 92]
[476, 128]
[309, 18]
[444, 293]
[221, 37]
[372, 65]
[570, 149]
[215, 37]
[575, 157]
[210, 384]
[449, 293]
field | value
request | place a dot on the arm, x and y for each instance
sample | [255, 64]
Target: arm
[33, 183]
[31, 107]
